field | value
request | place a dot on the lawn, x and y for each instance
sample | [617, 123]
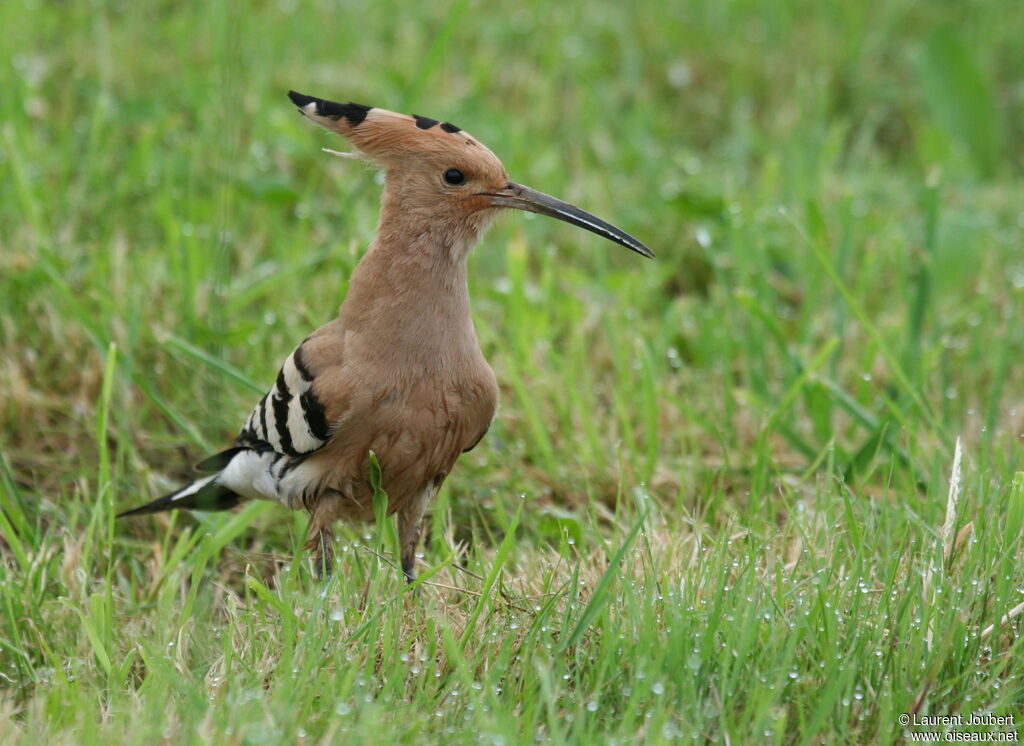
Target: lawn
[721, 501]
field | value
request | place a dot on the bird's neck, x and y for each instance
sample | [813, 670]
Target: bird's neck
[410, 288]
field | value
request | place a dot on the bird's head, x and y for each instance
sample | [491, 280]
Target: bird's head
[437, 171]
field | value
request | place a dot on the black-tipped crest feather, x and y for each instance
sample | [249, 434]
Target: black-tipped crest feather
[353, 112]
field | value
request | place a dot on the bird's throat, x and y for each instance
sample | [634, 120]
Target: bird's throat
[411, 295]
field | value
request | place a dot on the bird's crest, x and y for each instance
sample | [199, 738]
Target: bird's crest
[386, 136]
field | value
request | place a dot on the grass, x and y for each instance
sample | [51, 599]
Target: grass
[715, 505]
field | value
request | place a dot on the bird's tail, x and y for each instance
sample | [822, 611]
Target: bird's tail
[202, 494]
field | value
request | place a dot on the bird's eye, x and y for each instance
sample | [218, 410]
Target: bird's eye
[454, 177]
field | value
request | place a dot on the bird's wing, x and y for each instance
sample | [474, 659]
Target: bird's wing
[289, 424]
[289, 419]
[292, 419]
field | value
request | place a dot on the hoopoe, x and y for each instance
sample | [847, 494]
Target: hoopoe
[399, 372]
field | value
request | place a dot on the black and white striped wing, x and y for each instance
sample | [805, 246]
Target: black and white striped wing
[268, 459]
[289, 419]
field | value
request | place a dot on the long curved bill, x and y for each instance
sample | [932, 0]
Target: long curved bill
[523, 198]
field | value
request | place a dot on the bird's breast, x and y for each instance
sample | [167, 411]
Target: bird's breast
[416, 426]
[440, 409]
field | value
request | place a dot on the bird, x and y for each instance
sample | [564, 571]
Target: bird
[398, 373]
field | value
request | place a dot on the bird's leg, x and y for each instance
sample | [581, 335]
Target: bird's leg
[321, 543]
[410, 522]
[324, 556]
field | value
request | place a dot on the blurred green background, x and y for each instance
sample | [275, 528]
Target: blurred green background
[160, 192]
[833, 191]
